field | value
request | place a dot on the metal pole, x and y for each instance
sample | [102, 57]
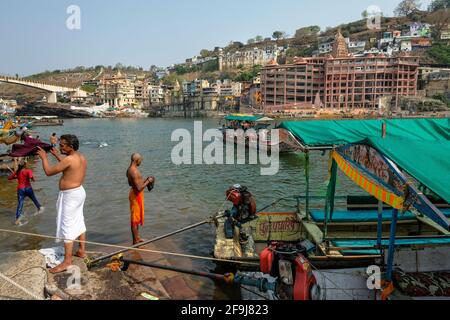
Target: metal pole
[329, 202]
[380, 203]
[380, 224]
[390, 261]
[213, 276]
[107, 256]
[307, 182]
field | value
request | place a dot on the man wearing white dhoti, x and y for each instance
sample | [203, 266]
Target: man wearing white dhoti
[70, 203]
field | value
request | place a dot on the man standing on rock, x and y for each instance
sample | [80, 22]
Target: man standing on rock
[70, 203]
[136, 195]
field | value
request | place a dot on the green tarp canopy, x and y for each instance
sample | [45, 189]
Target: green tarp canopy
[242, 117]
[339, 132]
[427, 161]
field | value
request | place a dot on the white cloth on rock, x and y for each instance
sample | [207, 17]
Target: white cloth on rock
[53, 256]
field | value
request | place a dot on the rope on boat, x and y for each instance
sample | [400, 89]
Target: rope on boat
[129, 248]
[28, 292]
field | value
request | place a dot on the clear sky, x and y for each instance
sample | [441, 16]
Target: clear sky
[34, 36]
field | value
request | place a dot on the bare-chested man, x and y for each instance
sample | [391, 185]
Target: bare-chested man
[54, 140]
[136, 195]
[70, 218]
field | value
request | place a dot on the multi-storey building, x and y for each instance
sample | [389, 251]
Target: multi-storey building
[117, 91]
[338, 81]
[141, 91]
[156, 94]
[248, 58]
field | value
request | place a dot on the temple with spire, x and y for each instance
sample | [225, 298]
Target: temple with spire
[340, 49]
[338, 81]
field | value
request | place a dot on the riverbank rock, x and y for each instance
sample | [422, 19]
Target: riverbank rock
[44, 109]
[27, 268]
[78, 283]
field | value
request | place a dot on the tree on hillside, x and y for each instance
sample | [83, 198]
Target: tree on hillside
[259, 38]
[440, 54]
[306, 35]
[364, 14]
[438, 5]
[440, 20]
[205, 53]
[277, 35]
[407, 7]
[234, 45]
[251, 41]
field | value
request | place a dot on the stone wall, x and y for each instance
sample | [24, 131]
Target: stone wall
[191, 107]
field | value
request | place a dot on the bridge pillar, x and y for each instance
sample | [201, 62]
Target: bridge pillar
[51, 97]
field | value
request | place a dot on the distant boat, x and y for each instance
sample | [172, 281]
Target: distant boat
[260, 138]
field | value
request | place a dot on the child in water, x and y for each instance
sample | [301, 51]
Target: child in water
[24, 177]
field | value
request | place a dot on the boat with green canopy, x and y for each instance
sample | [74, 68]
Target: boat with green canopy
[404, 167]
[252, 131]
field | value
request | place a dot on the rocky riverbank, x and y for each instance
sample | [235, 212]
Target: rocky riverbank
[44, 109]
[28, 269]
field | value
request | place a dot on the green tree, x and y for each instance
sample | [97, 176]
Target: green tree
[440, 54]
[211, 66]
[438, 5]
[277, 35]
[365, 14]
[407, 7]
[205, 53]
[251, 41]
[259, 38]
[88, 88]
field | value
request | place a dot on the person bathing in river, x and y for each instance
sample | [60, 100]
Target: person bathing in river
[24, 177]
[54, 140]
[71, 198]
[136, 195]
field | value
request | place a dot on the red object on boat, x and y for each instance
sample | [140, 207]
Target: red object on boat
[304, 279]
[266, 260]
[234, 196]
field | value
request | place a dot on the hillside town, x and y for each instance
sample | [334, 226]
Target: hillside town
[145, 156]
[347, 70]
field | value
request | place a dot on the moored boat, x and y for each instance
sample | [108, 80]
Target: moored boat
[329, 253]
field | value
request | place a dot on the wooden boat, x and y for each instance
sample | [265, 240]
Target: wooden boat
[40, 121]
[255, 132]
[408, 236]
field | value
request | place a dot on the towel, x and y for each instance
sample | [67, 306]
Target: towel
[70, 219]
[53, 256]
[136, 208]
[28, 148]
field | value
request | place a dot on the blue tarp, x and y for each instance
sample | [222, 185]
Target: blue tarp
[385, 243]
[364, 215]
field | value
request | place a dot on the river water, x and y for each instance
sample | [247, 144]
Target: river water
[183, 195]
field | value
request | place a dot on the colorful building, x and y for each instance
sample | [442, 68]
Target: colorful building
[339, 81]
